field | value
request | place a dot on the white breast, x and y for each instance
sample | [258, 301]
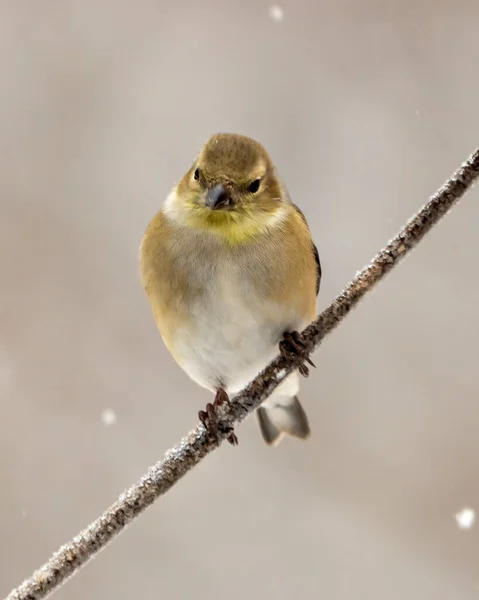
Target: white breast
[235, 334]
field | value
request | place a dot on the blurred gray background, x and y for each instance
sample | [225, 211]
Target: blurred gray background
[366, 107]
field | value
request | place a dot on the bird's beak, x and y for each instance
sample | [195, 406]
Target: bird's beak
[218, 197]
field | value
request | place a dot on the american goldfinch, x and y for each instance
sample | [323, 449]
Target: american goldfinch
[231, 271]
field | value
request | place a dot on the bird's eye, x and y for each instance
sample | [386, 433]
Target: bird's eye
[254, 186]
[196, 174]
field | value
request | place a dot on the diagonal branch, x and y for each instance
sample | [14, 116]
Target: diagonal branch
[188, 453]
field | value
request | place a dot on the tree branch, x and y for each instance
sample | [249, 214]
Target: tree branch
[193, 448]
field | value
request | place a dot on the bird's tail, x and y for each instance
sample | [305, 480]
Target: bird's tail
[284, 415]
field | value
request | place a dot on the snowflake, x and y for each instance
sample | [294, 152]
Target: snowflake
[276, 13]
[465, 518]
[108, 417]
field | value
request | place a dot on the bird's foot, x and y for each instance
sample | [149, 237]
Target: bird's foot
[210, 419]
[293, 344]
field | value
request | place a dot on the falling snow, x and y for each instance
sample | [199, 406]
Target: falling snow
[276, 13]
[108, 417]
[465, 518]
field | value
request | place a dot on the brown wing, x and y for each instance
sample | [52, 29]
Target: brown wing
[315, 251]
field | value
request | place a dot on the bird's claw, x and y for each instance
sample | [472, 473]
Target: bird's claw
[210, 419]
[293, 344]
[231, 436]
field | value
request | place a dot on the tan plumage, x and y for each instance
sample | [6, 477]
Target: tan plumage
[228, 270]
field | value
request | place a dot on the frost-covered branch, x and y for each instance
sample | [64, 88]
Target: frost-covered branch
[193, 448]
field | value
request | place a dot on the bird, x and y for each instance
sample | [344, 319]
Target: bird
[231, 271]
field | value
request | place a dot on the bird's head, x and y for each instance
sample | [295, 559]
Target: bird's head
[231, 188]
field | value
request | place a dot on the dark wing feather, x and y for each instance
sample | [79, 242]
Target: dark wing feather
[315, 252]
[318, 268]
